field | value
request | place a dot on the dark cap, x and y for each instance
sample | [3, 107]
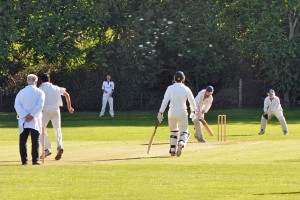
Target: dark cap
[210, 89]
[179, 76]
[45, 77]
[271, 91]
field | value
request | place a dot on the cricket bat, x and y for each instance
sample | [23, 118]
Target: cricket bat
[152, 136]
[207, 127]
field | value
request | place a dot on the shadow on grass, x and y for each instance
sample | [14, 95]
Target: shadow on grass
[277, 193]
[3, 163]
[148, 119]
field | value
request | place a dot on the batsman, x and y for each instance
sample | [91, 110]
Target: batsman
[177, 94]
[204, 101]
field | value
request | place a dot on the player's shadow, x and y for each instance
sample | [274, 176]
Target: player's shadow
[278, 193]
[9, 163]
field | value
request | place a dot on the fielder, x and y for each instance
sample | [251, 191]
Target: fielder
[51, 111]
[272, 106]
[177, 94]
[108, 87]
[204, 101]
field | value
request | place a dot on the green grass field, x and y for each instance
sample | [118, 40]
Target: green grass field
[105, 158]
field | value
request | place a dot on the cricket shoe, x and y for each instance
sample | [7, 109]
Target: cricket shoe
[47, 153]
[179, 149]
[59, 154]
[172, 153]
[201, 140]
[285, 133]
[261, 132]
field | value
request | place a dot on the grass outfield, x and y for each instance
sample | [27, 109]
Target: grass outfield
[105, 158]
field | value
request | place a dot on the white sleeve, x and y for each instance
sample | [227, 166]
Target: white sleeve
[266, 106]
[103, 86]
[39, 106]
[208, 105]
[21, 112]
[191, 100]
[277, 103]
[197, 101]
[165, 101]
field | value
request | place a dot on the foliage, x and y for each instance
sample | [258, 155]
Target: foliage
[141, 43]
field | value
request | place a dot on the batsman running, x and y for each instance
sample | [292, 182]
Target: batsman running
[177, 94]
[204, 101]
[272, 107]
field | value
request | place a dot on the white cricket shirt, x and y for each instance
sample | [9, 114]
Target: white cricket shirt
[272, 105]
[108, 86]
[52, 95]
[202, 102]
[178, 94]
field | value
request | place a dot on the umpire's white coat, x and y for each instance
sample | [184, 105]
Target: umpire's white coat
[30, 100]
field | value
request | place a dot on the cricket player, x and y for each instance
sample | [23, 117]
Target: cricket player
[51, 111]
[204, 101]
[108, 87]
[177, 94]
[272, 107]
[29, 103]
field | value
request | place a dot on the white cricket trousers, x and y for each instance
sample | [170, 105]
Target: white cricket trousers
[110, 100]
[198, 127]
[54, 116]
[178, 123]
[281, 119]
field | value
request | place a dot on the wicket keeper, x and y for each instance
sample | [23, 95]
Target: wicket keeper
[272, 107]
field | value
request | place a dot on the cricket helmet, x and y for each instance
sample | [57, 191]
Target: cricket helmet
[179, 76]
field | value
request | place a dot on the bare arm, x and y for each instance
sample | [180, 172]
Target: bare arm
[68, 100]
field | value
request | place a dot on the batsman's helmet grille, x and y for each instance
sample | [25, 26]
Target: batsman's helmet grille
[179, 76]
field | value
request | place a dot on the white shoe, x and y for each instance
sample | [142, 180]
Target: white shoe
[179, 149]
[100, 115]
[47, 153]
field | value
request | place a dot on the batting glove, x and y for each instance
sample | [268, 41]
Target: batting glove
[160, 117]
[200, 116]
[266, 116]
[193, 114]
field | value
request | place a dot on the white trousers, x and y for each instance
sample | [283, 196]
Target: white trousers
[54, 116]
[178, 120]
[110, 100]
[178, 123]
[281, 119]
[198, 127]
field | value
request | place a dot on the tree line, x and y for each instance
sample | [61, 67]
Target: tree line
[142, 43]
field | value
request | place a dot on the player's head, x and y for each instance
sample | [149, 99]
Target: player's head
[209, 90]
[271, 93]
[45, 77]
[32, 79]
[108, 77]
[179, 77]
